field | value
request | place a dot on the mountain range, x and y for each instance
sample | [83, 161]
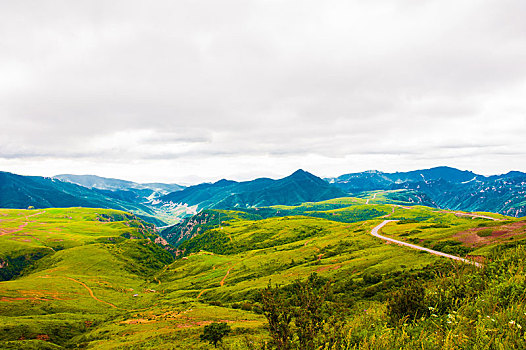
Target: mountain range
[164, 204]
[448, 188]
[296, 188]
[20, 192]
[104, 183]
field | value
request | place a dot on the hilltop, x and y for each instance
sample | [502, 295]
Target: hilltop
[164, 204]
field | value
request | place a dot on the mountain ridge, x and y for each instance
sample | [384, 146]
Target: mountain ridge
[448, 187]
[106, 183]
[296, 188]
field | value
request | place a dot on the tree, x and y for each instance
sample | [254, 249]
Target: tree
[310, 299]
[214, 332]
[300, 316]
[278, 312]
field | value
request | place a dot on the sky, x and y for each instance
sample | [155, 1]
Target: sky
[188, 91]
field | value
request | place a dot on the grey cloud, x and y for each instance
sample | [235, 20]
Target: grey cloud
[182, 136]
[201, 79]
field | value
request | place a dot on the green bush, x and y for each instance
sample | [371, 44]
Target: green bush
[407, 303]
[215, 332]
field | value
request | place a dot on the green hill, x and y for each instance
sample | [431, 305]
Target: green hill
[95, 278]
[66, 270]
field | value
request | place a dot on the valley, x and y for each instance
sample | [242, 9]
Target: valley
[100, 278]
[95, 278]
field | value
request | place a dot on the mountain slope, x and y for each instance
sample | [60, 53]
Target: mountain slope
[101, 279]
[448, 187]
[505, 195]
[65, 271]
[297, 188]
[377, 180]
[20, 192]
[104, 183]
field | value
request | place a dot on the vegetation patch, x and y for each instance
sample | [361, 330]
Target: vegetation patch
[484, 233]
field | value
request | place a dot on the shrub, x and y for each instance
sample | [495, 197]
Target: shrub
[214, 332]
[407, 303]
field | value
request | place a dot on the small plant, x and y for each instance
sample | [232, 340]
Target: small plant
[215, 332]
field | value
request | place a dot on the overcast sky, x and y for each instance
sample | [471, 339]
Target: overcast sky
[185, 91]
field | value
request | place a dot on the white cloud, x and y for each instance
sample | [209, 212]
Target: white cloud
[173, 90]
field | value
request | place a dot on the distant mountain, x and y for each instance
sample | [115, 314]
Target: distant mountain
[377, 180]
[20, 192]
[144, 194]
[449, 188]
[104, 183]
[297, 188]
[505, 194]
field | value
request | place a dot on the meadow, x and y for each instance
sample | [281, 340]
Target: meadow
[102, 279]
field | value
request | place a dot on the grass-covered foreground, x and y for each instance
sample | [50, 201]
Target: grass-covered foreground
[102, 279]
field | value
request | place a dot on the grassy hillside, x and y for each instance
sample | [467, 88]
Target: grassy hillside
[66, 270]
[94, 278]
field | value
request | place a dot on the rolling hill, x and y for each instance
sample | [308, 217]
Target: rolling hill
[100, 279]
[65, 271]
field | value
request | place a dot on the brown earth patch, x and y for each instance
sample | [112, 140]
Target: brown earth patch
[470, 237]
[325, 268]
[322, 269]
[13, 299]
[42, 294]
[498, 233]
[478, 258]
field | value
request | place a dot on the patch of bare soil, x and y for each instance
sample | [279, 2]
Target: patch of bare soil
[471, 238]
[325, 268]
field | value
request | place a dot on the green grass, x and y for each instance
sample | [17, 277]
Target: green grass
[217, 276]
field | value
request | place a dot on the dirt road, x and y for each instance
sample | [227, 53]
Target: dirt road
[90, 292]
[475, 216]
[367, 201]
[224, 278]
[375, 233]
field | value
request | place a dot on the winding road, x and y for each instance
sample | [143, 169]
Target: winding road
[475, 216]
[375, 233]
[367, 201]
